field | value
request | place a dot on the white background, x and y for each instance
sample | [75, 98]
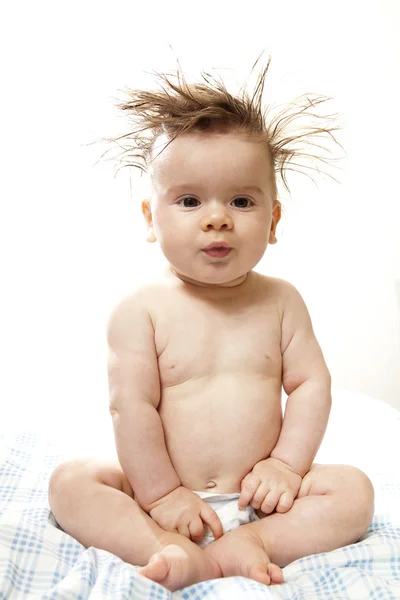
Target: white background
[72, 238]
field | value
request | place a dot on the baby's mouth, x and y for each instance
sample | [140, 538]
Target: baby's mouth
[218, 251]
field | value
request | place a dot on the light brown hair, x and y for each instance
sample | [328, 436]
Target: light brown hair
[296, 136]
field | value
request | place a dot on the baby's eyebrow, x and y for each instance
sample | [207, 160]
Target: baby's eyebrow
[237, 189]
[183, 187]
[251, 188]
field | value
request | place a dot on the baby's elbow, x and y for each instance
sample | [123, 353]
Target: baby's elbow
[315, 383]
[114, 412]
[322, 388]
[326, 383]
[321, 381]
[326, 377]
[114, 405]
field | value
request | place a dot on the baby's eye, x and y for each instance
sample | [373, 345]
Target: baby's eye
[188, 202]
[243, 202]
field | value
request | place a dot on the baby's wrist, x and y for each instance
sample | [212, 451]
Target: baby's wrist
[155, 502]
[292, 467]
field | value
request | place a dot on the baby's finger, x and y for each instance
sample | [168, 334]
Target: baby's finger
[270, 502]
[196, 529]
[184, 530]
[285, 502]
[249, 486]
[210, 517]
[259, 496]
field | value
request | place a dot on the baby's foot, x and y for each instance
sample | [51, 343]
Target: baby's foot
[241, 552]
[177, 566]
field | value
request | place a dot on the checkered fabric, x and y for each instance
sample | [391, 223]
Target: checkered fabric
[39, 561]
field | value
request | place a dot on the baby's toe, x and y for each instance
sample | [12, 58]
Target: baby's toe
[259, 573]
[157, 568]
[275, 573]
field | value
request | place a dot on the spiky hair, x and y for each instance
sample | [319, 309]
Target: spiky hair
[297, 137]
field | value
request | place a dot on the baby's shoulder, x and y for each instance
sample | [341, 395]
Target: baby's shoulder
[141, 296]
[134, 314]
[278, 289]
[144, 296]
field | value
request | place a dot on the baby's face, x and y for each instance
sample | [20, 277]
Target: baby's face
[212, 188]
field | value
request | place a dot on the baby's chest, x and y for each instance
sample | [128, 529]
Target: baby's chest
[206, 343]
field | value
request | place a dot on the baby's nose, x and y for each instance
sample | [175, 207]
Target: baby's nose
[217, 218]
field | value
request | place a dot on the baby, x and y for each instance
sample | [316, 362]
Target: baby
[212, 481]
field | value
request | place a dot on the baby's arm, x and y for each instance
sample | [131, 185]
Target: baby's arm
[307, 382]
[134, 397]
[274, 482]
[134, 383]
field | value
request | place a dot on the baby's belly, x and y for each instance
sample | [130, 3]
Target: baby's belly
[218, 428]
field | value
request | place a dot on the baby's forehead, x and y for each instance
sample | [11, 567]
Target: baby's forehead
[229, 163]
[236, 149]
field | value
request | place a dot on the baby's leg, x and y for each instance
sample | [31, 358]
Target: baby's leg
[93, 502]
[334, 508]
[242, 552]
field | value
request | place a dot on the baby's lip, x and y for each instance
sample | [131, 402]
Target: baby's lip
[213, 245]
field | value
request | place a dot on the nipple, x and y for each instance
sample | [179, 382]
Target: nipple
[211, 484]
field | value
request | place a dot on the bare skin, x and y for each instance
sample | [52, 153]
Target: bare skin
[252, 550]
[168, 558]
[217, 369]
[197, 363]
[174, 564]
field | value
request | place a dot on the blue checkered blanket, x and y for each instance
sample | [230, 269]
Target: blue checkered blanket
[39, 561]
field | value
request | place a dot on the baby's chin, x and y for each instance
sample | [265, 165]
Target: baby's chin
[209, 284]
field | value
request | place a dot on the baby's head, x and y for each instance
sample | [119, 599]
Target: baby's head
[212, 159]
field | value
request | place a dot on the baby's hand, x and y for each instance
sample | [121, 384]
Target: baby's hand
[270, 485]
[182, 511]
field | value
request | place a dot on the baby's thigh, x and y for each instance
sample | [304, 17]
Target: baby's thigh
[343, 490]
[77, 475]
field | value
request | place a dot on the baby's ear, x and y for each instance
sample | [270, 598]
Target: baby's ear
[276, 216]
[146, 210]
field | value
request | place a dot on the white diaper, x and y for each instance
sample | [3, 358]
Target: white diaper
[231, 516]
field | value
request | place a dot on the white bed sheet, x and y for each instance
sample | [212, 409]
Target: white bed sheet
[38, 560]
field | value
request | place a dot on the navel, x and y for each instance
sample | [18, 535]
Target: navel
[210, 484]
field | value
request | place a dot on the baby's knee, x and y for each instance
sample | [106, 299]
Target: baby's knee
[351, 490]
[68, 476]
[360, 495]
[75, 477]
